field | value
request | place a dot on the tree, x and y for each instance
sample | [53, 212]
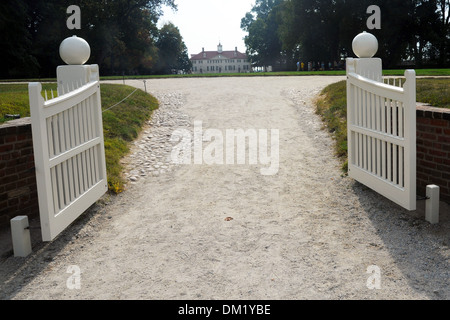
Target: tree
[184, 63]
[264, 47]
[16, 58]
[121, 34]
[172, 50]
[443, 40]
[424, 24]
[323, 30]
[311, 29]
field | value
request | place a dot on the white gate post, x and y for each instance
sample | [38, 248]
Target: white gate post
[75, 52]
[432, 204]
[68, 141]
[411, 134]
[381, 122]
[21, 236]
[365, 46]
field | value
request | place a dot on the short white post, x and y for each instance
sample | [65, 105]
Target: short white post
[21, 236]
[432, 204]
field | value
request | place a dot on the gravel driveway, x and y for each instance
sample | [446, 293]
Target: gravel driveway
[227, 231]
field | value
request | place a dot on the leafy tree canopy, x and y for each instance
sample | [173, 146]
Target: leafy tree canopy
[323, 30]
[122, 34]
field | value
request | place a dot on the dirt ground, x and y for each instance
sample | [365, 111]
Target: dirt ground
[226, 231]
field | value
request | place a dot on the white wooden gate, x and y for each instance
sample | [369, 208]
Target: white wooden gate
[69, 154]
[381, 121]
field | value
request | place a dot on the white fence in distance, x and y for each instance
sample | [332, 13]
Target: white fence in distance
[381, 122]
[69, 154]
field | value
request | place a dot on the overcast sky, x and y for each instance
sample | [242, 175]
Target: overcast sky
[203, 23]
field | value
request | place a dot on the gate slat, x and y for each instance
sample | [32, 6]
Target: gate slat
[56, 135]
[85, 122]
[71, 173]
[76, 128]
[59, 184]
[80, 174]
[49, 127]
[66, 130]
[394, 163]
[54, 186]
[394, 113]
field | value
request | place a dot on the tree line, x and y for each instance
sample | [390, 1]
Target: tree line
[123, 36]
[282, 32]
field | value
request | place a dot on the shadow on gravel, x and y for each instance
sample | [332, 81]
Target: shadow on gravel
[17, 272]
[421, 250]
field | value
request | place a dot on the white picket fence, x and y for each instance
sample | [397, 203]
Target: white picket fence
[69, 154]
[381, 121]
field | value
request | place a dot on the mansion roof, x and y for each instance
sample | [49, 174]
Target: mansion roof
[209, 55]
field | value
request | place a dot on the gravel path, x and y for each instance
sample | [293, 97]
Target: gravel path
[221, 231]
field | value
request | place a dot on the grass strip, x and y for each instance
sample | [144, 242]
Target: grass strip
[121, 124]
[395, 72]
[331, 105]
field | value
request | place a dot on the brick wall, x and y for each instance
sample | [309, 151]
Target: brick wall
[18, 190]
[433, 150]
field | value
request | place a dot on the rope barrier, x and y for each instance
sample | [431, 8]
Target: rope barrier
[120, 101]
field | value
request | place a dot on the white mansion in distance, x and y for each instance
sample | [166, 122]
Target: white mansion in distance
[220, 61]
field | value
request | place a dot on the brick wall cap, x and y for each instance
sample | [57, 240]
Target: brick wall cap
[16, 123]
[427, 111]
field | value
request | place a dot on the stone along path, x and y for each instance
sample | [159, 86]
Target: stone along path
[226, 231]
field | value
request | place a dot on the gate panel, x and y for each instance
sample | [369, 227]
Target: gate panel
[382, 135]
[69, 155]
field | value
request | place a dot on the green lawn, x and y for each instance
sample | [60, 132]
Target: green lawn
[419, 72]
[121, 124]
[332, 107]
[14, 99]
[399, 72]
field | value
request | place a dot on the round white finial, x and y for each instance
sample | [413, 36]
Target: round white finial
[365, 45]
[75, 51]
